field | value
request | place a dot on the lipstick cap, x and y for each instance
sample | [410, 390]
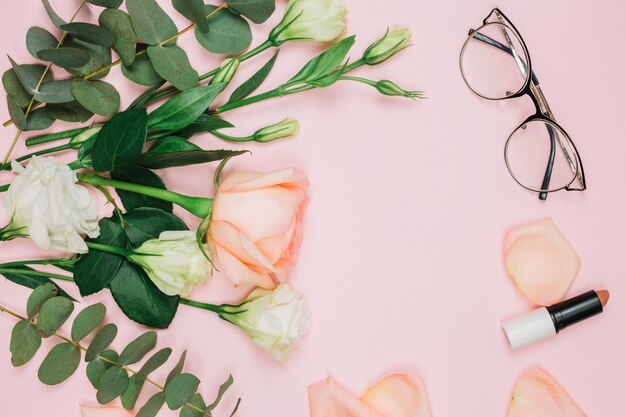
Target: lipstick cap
[529, 328]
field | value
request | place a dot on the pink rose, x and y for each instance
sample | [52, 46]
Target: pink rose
[256, 227]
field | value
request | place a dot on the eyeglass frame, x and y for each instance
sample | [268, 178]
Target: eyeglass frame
[543, 113]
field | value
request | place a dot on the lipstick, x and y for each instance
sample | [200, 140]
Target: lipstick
[548, 321]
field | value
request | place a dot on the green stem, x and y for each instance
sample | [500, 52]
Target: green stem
[358, 79]
[38, 153]
[109, 249]
[53, 262]
[205, 306]
[277, 92]
[198, 206]
[232, 138]
[32, 273]
[55, 136]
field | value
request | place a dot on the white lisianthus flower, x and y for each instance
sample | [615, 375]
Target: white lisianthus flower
[393, 42]
[45, 203]
[311, 20]
[281, 130]
[174, 262]
[276, 319]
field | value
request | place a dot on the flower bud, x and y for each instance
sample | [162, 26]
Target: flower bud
[311, 20]
[285, 129]
[86, 135]
[227, 71]
[393, 42]
[390, 88]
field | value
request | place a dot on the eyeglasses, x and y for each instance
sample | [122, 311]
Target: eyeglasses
[496, 65]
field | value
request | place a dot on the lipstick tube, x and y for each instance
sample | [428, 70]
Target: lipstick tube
[548, 321]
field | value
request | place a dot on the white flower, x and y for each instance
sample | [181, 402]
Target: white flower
[311, 20]
[174, 262]
[45, 203]
[276, 319]
[281, 130]
[393, 42]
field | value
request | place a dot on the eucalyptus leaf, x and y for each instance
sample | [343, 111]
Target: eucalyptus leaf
[15, 89]
[56, 19]
[55, 92]
[38, 119]
[140, 299]
[138, 348]
[172, 63]
[193, 10]
[16, 113]
[228, 33]
[159, 160]
[101, 341]
[177, 369]
[112, 384]
[256, 10]
[87, 320]
[148, 223]
[25, 341]
[142, 72]
[184, 108]
[34, 283]
[204, 123]
[30, 75]
[152, 407]
[54, 312]
[130, 395]
[106, 3]
[95, 269]
[180, 390]
[65, 57]
[152, 364]
[197, 402]
[118, 145]
[150, 22]
[38, 297]
[69, 112]
[99, 63]
[96, 96]
[220, 393]
[118, 22]
[61, 362]
[249, 86]
[143, 176]
[39, 38]
[90, 33]
[97, 367]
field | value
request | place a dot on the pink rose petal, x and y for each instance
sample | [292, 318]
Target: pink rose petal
[108, 411]
[399, 396]
[327, 399]
[536, 394]
[541, 261]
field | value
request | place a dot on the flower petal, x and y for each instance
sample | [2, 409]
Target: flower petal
[108, 411]
[240, 273]
[288, 177]
[399, 396]
[327, 399]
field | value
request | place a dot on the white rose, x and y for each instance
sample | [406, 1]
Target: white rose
[45, 203]
[174, 262]
[311, 20]
[276, 319]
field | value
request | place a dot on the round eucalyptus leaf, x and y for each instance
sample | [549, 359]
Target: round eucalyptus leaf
[40, 295]
[153, 363]
[97, 367]
[177, 369]
[54, 312]
[228, 33]
[38, 119]
[30, 75]
[16, 113]
[138, 348]
[106, 3]
[38, 39]
[151, 23]
[118, 22]
[256, 10]
[194, 11]
[152, 407]
[71, 112]
[101, 341]
[90, 33]
[112, 384]
[58, 21]
[25, 342]
[142, 72]
[98, 97]
[65, 57]
[15, 89]
[55, 92]
[130, 395]
[61, 362]
[87, 320]
[180, 390]
[99, 62]
[197, 402]
[172, 63]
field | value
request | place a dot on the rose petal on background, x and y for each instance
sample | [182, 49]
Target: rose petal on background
[327, 399]
[541, 261]
[537, 394]
[108, 411]
[399, 396]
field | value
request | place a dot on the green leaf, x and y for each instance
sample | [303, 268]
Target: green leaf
[153, 406]
[87, 320]
[143, 176]
[100, 57]
[148, 222]
[158, 160]
[30, 75]
[38, 297]
[97, 367]
[173, 144]
[130, 395]
[55, 92]
[61, 362]
[140, 299]
[112, 384]
[118, 22]
[143, 99]
[65, 57]
[172, 63]
[33, 282]
[58, 22]
[220, 393]
[96, 96]
[38, 119]
[90, 33]
[152, 364]
[177, 369]
[324, 64]
[196, 401]
[193, 10]
[138, 348]
[228, 33]
[151, 23]
[184, 108]
[37, 39]
[16, 113]
[118, 145]
[15, 89]
[256, 10]
[69, 112]
[101, 341]
[180, 390]
[204, 123]
[25, 342]
[248, 87]
[95, 269]
[106, 3]
[142, 72]
[54, 312]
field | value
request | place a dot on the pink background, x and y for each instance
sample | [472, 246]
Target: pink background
[410, 202]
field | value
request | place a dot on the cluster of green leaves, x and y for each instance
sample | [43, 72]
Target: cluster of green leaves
[108, 371]
[144, 37]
